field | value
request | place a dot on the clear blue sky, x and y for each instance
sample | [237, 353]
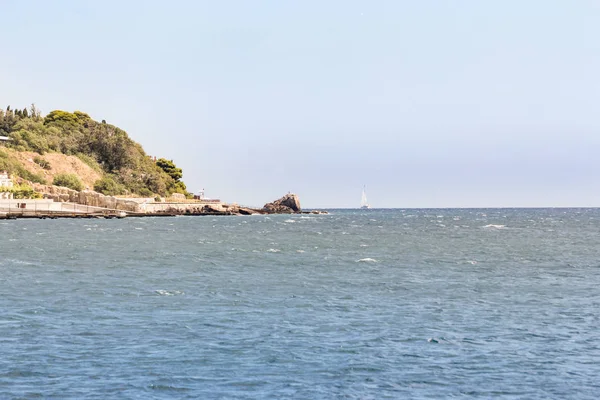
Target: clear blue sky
[429, 103]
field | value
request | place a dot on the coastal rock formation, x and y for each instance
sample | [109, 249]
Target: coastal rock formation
[288, 204]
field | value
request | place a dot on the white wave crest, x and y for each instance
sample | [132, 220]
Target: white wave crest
[168, 292]
[495, 226]
[367, 260]
[273, 251]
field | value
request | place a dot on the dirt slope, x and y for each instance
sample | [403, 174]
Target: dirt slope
[59, 164]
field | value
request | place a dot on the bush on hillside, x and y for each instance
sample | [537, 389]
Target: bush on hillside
[108, 186]
[70, 181]
[42, 162]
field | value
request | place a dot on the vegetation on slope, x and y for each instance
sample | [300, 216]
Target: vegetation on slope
[70, 181]
[123, 164]
[21, 192]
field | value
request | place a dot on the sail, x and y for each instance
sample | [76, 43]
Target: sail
[363, 200]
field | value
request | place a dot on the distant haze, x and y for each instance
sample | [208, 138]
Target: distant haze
[427, 103]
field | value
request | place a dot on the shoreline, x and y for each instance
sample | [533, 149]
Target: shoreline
[88, 204]
[121, 215]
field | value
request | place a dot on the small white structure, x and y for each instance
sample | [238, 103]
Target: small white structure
[5, 181]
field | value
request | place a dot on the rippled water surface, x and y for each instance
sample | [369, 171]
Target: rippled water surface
[351, 305]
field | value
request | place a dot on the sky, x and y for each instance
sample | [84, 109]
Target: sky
[463, 103]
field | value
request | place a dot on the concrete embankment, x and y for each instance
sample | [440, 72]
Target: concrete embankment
[59, 202]
[47, 208]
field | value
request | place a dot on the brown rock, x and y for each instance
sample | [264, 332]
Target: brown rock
[288, 204]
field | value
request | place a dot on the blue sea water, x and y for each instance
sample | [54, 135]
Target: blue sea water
[423, 304]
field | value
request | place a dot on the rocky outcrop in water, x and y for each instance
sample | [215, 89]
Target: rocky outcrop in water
[288, 204]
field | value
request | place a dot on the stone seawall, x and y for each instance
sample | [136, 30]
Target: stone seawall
[133, 205]
[86, 197]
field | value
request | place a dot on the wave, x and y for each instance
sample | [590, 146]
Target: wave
[367, 260]
[273, 251]
[495, 226]
[161, 292]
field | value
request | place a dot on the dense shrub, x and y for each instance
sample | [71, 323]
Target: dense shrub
[70, 181]
[108, 186]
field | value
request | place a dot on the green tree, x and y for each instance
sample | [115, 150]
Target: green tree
[34, 112]
[61, 117]
[170, 168]
[29, 134]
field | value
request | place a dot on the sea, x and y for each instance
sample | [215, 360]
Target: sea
[355, 304]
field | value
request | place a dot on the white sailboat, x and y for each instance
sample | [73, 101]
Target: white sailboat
[363, 201]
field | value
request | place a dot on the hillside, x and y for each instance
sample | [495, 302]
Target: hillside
[57, 164]
[72, 149]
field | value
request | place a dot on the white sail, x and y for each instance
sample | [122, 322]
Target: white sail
[363, 200]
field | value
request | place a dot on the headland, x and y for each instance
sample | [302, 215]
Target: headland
[67, 165]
